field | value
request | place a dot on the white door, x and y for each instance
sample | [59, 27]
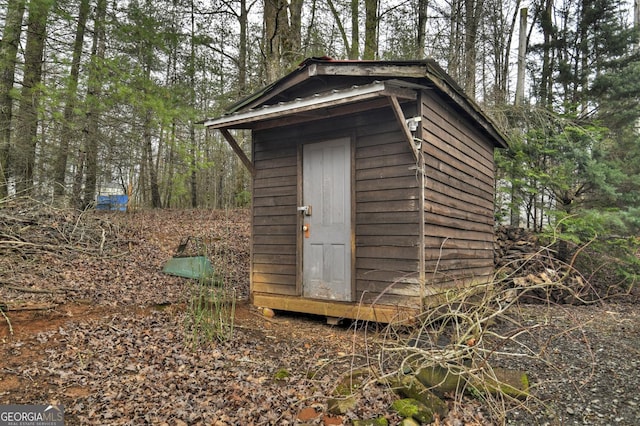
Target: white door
[327, 221]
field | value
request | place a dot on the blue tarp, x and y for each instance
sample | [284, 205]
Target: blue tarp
[112, 202]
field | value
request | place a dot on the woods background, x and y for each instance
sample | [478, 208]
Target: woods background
[99, 97]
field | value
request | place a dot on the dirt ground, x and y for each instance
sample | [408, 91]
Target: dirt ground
[109, 339]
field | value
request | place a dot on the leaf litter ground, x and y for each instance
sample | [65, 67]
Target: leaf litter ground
[112, 344]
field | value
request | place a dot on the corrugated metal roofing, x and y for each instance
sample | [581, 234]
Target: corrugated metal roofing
[316, 101]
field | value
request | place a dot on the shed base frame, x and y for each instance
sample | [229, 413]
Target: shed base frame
[358, 311]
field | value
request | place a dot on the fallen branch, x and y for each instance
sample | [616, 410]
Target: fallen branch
[2, 309]
[30, 307]
[34, 290]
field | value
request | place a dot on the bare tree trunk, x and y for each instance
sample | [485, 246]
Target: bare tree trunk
[8, 52]
[354, 51]
[341, 30]
[455, 30]
[423, 6]
[60, 164]
[546, 94]
[636, 16]
[76, 191]
[473, 13]
[636, 22]
[272, 35]
[293, 39]
[194, 174]
[282, 21]
[156, 201]
[522, 51]
[242, 51]
[147, 144]
[27, 117]
[170, 166]
[501, 93]
[192, 130]
[94, 92]
[370, 30]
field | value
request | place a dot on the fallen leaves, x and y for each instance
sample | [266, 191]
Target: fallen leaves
[118, 354]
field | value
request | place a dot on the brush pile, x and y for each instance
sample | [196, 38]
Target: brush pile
[531, 267]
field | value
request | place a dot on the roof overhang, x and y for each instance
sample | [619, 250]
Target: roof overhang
[308, 108]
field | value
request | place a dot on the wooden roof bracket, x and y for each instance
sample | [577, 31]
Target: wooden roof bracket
[397, 110]
[238, 150]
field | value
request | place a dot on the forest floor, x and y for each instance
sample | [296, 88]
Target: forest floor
[93, 324]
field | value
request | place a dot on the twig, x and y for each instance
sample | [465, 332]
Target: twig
[7, 319]
[103, 239]
[266, 318]
[34, 307]
[34, 290]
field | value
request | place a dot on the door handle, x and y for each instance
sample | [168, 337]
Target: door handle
[305, 209]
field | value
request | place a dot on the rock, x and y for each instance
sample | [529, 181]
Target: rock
[352, 381]
[268, 312]
[513, 383]
[439, 380]
[410, 408]
[410, 387]
[339, 406]
[409, 422]
[380, 421]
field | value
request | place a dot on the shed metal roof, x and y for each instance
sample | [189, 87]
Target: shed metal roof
[318, 101]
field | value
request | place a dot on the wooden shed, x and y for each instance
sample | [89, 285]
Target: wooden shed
[372, 188]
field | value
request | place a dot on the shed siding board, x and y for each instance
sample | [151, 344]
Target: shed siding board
[391, 299]
[278, 249]
[367, 218]
[397, 194]
[382, 172]
[274, 172]
[458, 243]
[366, 264]
[275, 258]
[458, 195]
[274, 200]
[392, 240]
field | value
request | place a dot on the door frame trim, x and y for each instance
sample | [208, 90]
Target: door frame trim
[299, 218]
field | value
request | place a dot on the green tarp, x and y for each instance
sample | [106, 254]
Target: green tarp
[196, 267]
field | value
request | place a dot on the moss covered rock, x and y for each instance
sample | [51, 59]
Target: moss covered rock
[380, 421]
[411, 408]
[410, 387]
